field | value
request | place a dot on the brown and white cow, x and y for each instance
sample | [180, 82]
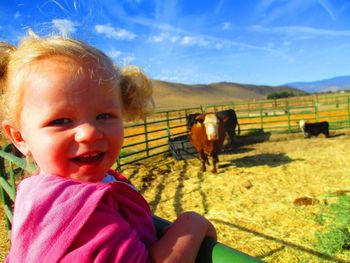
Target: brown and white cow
[230, 124]
[207, 135]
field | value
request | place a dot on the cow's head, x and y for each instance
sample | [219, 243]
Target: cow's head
[211, 122]
[302, 124]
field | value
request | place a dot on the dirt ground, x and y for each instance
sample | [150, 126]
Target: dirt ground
[251, 200]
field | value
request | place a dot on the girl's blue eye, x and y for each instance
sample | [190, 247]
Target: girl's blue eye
[60, 121]
[104, 116]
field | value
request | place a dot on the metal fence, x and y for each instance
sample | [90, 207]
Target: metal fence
[150, 137]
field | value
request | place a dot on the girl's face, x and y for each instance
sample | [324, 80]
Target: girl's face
[70, 124]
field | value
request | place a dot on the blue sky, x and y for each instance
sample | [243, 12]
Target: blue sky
[269, 42]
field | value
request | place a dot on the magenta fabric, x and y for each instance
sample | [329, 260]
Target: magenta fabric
[62, 220]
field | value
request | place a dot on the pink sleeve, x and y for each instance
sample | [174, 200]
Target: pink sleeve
[107, 237]
[119, 176]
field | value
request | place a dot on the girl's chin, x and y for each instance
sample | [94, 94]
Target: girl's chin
[87, 174]
[87, 178]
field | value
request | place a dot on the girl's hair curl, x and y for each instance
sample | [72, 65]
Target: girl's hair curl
[136, 92]
[5, 51]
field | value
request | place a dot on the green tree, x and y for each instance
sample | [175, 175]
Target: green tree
[279, 95]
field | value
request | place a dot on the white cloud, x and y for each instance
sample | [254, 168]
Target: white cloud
[302, 31]
[218, 7]
[65, 26]
[159, 38]
[287, 43]
[185, 74]
[134, 1]
[226, 26]
[174, 39]
[128, 59]
[114, 53]
[116, 33]
[164, 36]
[269, 11]
[16, 15]
[327, 7]
[219, 45]
[193, 41]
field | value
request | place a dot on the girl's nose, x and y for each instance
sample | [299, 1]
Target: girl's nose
[87, 132]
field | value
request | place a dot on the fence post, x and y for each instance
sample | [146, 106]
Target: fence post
[4, 196]
[118, 162]
[167, 120]
[146, 136]
[288, 115]
[315, 105]
[348, 110]
[261, 117]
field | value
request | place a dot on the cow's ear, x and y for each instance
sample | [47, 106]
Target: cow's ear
[200, 118]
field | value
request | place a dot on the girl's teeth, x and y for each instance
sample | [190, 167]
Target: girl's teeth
[89, 155]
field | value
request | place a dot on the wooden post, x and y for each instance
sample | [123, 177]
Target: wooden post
[288, 115]
[261, 117]
[348, 99]
[146, 136]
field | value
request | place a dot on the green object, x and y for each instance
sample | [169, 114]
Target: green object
[211, 251]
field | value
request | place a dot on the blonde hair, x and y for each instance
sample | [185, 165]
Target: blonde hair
[5, 50]
[135, 86]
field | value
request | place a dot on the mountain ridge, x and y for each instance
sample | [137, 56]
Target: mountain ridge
[324, 85]
[171, 95]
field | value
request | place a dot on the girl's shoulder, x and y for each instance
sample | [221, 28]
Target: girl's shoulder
[118, 176]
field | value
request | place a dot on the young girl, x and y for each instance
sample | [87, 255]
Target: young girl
[64, 103]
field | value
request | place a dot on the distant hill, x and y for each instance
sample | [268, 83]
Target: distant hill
[168, 95]
[332, 84]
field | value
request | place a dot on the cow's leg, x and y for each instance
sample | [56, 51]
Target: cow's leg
[215, 161]
[204, 159]
[306, 135]
[326, 133]
[231, 134]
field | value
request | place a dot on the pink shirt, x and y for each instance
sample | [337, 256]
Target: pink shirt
[61, 220]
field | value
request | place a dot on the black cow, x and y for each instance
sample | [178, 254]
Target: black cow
[314, 129]
[230, 125]
[191, 119]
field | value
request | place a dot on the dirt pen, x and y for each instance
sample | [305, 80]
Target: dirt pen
[267, 197]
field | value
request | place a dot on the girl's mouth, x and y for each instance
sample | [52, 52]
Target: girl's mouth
[88, 158]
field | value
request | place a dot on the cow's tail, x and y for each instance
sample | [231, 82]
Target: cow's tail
[239, 128]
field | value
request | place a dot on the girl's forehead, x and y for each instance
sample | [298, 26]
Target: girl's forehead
[62, 74]
[77, 65]
[56, 85]
[75, 69]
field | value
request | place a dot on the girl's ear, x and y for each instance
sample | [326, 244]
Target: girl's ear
[15, 135]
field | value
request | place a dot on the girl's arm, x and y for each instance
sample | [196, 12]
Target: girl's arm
[182, 240]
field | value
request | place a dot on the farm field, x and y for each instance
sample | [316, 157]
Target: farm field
[253, 199]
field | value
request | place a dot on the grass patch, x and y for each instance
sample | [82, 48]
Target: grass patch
[337, 236]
